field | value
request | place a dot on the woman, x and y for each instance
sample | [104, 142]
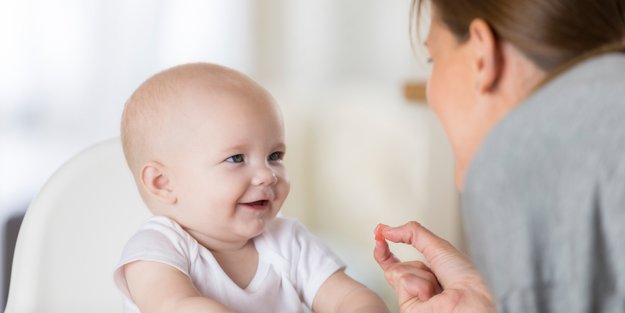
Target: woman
[531, 94]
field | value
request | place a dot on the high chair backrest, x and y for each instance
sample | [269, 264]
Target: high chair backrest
[73, 233]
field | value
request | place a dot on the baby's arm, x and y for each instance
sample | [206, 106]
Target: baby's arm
[341, 293]
[156, 287]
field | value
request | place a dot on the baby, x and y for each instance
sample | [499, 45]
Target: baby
[206, 146]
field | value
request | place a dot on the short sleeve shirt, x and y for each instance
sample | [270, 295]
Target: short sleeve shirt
[292, 265]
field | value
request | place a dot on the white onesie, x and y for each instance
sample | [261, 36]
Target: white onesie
[292, 265]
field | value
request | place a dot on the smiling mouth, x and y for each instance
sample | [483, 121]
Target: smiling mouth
[258, 205]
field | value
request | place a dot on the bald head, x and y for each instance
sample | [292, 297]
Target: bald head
[160, 112]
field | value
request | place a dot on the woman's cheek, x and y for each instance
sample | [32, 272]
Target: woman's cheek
[433, 93]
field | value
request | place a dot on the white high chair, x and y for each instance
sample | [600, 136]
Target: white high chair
[73, 234]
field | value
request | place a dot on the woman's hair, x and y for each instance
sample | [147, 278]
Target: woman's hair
[548, 32]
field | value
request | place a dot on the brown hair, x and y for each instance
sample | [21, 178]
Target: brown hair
[550, 33]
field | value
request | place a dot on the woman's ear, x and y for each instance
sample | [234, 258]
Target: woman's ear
[487, 55]
[156, 182]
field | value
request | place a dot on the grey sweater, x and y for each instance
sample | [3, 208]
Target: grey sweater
[544, 198]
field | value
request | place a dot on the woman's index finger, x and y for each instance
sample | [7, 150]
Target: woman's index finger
[445, 260]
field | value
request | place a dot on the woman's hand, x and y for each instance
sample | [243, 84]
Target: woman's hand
[449, 284]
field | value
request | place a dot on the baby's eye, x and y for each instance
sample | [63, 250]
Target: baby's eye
[237, 158]
[276, 156]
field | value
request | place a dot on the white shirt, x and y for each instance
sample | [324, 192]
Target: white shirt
[292, 265]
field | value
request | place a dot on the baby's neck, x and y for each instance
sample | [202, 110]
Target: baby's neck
[240, 264]
[217, 245]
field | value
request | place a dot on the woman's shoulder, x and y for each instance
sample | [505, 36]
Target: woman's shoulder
[566, 136]
[576, 115]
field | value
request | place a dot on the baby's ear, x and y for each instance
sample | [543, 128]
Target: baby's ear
[156, 182]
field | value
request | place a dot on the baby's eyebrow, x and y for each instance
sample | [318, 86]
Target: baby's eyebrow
[234, 148]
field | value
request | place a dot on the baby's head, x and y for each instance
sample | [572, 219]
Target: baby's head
[205, 144]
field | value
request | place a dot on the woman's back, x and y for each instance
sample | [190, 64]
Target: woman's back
[544, 198]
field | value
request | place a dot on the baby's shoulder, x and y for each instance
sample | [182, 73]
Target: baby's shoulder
[159, 232]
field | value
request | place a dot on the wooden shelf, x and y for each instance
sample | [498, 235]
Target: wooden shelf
[415, 92]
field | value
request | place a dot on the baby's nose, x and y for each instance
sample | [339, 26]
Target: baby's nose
[265, 177]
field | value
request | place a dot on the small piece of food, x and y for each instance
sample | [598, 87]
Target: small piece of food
[379, 236]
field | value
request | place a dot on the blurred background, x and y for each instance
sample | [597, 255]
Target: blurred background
[360, 152]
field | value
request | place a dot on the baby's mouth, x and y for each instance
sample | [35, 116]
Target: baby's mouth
[260, 204]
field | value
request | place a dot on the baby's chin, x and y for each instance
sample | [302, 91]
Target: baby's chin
[257, 222]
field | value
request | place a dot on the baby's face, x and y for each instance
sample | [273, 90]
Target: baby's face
[228, 175]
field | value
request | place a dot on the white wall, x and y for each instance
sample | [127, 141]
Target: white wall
[314, 44]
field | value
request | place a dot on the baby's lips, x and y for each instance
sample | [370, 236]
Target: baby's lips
[379, 236]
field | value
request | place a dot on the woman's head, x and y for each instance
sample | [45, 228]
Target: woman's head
[548, 32]
[489, 55]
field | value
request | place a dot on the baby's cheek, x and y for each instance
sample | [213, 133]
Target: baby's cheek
[286, 188]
